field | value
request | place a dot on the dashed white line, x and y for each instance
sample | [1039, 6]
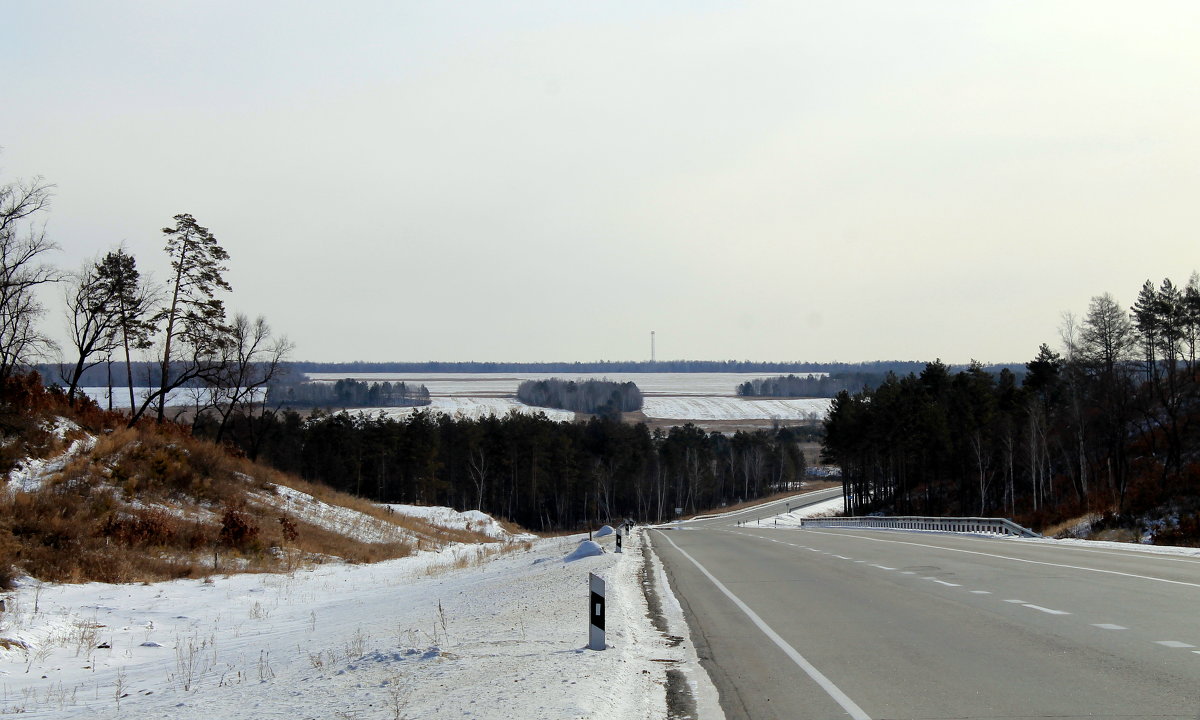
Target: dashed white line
[941, 582]
[1109, 626]
[1015, 602]
[883, 567]
[1048, 611]
[981, 592]
[1173, 644]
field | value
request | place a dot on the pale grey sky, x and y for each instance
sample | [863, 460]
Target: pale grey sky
[552, 180]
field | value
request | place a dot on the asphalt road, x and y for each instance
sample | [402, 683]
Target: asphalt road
[882, 624]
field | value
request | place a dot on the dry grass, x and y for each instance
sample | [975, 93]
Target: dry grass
[152, 503]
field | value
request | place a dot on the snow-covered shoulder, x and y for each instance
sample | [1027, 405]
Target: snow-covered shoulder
[492, 630]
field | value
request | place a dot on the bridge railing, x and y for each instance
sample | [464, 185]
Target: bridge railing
[991, 526]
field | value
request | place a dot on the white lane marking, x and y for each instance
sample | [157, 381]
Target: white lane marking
[981, 592]
[1014, 559]
[1015, 602]
[1173, 644]
[907, 572]
[1046, 610]
[1109, 626]
[826, 684]
[841, 557]
[860, 561]
[1131, 552]
[941, 582]
[883, 567]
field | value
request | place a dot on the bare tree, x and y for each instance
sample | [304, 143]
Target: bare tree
[250, 360]
[22, 270]
[91, 323]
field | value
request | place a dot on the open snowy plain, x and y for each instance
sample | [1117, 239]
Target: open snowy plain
[681, 397]
[465, 632]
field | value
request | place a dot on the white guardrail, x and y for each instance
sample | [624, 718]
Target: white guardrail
[990, 526]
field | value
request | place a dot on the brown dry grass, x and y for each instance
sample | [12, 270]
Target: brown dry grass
[152, 503]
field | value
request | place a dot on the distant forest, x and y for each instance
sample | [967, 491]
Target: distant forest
[799, 386]
[599, 397]
[1111, 426]
[543, 474]
[148, 374]
[347, 394]
[880, 367]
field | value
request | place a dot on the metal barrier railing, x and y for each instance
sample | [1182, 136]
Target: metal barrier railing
[991, 526]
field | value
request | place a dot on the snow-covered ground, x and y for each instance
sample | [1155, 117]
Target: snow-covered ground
[452, 634]
[668, 396]
[735, 408]
[506, 383]
[471, 520]
[476, 407]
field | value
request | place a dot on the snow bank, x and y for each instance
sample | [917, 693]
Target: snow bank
[335, 518]
[470, 520]
[587, 548]
[415, 637]
[605, 530]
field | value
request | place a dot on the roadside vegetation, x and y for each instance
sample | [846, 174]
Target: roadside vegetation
[90, 499]
[1101, 437]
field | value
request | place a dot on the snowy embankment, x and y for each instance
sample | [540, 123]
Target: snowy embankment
[452, 634]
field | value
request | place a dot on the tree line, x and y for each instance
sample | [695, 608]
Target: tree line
[180, 327]
[801, 386]
[603, 397]
[540, 473]
[1107, 425]
[600, 367]
[346, 393]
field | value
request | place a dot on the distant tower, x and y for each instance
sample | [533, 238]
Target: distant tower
[651, 346]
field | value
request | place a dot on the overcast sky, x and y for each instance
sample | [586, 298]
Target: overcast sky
[553, 180]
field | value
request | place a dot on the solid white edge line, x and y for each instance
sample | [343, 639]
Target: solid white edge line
[1009, 557]
[826, 684]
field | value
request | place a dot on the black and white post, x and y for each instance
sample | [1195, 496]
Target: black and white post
[596, 613]
[618, 540]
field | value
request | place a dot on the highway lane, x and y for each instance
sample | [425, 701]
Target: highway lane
[921, 625]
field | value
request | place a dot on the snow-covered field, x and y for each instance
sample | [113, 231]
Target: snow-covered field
[506, 383]
[435, 635]
[734, 408]
[702, 397]
[476, 407]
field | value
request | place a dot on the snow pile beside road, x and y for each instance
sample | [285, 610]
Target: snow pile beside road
[422, 636]
[587, 548]
[826, 508]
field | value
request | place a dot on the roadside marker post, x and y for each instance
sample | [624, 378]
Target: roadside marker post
[618, 541]
[596, 613]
